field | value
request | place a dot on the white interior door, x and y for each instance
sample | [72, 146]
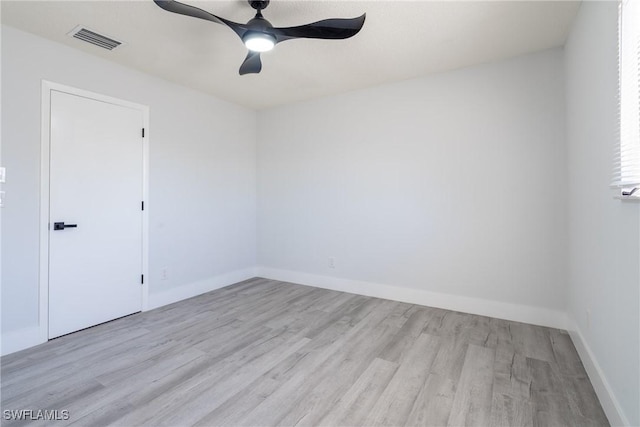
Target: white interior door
[96, 181]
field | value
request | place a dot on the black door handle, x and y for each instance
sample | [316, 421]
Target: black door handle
[62, 225]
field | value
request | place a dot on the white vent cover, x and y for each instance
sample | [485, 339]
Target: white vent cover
[90, 36]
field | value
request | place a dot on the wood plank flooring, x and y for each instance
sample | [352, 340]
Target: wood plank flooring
[267, 353]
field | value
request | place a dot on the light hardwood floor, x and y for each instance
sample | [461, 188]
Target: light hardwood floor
[263, 352]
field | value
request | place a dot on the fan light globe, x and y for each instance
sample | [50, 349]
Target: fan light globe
[258, 42]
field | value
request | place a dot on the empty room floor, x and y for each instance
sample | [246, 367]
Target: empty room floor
[263, 352]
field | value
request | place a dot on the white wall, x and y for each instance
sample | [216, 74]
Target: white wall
[202, 176]
[449, 184]
[604, 233]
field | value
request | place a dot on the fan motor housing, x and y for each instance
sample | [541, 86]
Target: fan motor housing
[259, 24]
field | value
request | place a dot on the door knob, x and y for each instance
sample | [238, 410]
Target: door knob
[62, 225]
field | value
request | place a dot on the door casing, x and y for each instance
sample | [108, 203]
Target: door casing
[47, 87]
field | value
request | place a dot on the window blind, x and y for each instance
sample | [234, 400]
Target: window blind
[626, 172]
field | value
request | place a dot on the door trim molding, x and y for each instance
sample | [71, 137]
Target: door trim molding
[43, 295]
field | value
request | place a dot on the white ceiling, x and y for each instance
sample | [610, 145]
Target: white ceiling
[400, 40]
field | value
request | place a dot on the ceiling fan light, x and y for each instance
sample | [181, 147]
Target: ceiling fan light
[259, 42]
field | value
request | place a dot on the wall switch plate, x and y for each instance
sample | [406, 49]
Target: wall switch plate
[3, 174]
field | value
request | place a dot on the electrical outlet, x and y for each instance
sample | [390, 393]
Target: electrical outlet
[1, 199]
[3, 174]
[163, 274]
[332, 262]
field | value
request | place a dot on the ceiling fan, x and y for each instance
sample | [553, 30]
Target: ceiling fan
[258, 35]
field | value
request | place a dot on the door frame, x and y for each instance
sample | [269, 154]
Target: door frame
[45, 130]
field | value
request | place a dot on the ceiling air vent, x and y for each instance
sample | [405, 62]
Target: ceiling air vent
[94, 38]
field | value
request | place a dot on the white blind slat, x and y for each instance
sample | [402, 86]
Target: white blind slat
[626, 168]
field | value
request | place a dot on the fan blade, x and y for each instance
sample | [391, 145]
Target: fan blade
[326, 29]
[251, 64]
[185, 9]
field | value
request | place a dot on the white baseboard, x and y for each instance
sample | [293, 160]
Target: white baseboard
[169, 296]
[502, 310]
[19, 340]
[608, 400]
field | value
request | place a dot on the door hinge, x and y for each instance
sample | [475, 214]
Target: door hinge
[143, 132]
[142, 279]
[142, 207]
